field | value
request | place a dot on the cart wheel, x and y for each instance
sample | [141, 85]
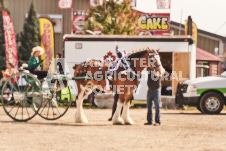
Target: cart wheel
[21, 96]
[56, 102]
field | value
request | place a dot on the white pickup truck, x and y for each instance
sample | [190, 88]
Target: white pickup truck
[208, 94]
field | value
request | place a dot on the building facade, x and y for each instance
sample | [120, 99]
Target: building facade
[211, 50]
[46, 8]
[62, 19]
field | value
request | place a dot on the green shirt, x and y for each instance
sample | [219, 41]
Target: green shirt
[32, 63]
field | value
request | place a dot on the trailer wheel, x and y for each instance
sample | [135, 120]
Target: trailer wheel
[211, 103]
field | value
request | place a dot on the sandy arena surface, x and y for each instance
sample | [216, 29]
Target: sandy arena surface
[180, 130]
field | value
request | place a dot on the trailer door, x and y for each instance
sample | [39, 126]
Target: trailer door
[181, 68]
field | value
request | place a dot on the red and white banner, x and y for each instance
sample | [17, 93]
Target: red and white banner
[153, 23]
[163, 4]
[65, 4]
[78, 22]
[10, 40]
[94, 3]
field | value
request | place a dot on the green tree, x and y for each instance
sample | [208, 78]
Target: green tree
[2, 40]
[30, 37]
[114, 17]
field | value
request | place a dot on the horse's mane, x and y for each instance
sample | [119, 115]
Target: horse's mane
[85, 62]
[137, 54]
[133, 55]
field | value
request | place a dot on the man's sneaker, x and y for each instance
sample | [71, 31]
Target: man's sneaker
[148, 123]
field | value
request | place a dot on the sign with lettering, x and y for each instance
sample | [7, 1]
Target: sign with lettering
[163, 4]
[78, 22]
[47, 42]
[154, 23]
[65, 4]
[10, 40]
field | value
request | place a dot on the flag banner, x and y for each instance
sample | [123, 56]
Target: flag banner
[194, 31]
[47, 42]
[163, 4]
[65, 4]
[78, 22]
[94, 3]
[153, 23]
[10, 40]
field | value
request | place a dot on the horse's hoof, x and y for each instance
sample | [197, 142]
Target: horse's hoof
[81, 120]
[129, 122]
[84, 120]
[118, 121]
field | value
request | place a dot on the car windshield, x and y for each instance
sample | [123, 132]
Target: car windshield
[223, 74]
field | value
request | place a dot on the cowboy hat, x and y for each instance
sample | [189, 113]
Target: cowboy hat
[37, 48]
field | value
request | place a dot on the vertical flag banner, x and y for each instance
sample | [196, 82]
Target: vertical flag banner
[94, 3]
[47, 42]
[194, 31]
[65, 4]
[10, 40]
[163, 4]
[78, 22]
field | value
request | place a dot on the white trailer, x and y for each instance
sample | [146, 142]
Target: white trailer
[178, 54]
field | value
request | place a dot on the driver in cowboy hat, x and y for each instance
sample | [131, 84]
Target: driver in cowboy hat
[34, 63]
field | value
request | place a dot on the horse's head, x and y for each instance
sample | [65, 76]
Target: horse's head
[154, 59]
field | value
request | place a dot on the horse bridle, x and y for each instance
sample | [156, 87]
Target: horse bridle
[152, 55]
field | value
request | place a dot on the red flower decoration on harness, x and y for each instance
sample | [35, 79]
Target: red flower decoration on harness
[109, 55]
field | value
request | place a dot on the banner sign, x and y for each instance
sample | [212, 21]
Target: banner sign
[94, 3]
[154, 23]
[194, 31]
[163, 4]
[47, 42]
[10, 40]
[78, 22]
[65, 4]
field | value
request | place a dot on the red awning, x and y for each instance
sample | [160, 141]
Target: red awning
[204, 55]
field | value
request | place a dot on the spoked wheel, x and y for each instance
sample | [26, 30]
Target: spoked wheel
[56, 102]
[21, 96]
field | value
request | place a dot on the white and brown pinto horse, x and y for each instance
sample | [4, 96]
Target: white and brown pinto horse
[124, 84]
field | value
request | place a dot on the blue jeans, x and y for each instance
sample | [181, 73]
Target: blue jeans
[154, 96]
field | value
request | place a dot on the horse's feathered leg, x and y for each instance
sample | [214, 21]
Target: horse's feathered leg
[117, 120]
[80, 116]
[125, 113]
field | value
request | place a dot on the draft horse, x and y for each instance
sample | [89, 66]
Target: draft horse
[123, 84]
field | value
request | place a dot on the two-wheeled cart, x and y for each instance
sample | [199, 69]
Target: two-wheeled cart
[23, 96]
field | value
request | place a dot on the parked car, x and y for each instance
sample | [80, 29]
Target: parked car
[208, 94]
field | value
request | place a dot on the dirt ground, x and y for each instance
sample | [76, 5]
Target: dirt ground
[180, 130]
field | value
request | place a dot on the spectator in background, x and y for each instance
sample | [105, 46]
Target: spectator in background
[7, 73]
[59, 64]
